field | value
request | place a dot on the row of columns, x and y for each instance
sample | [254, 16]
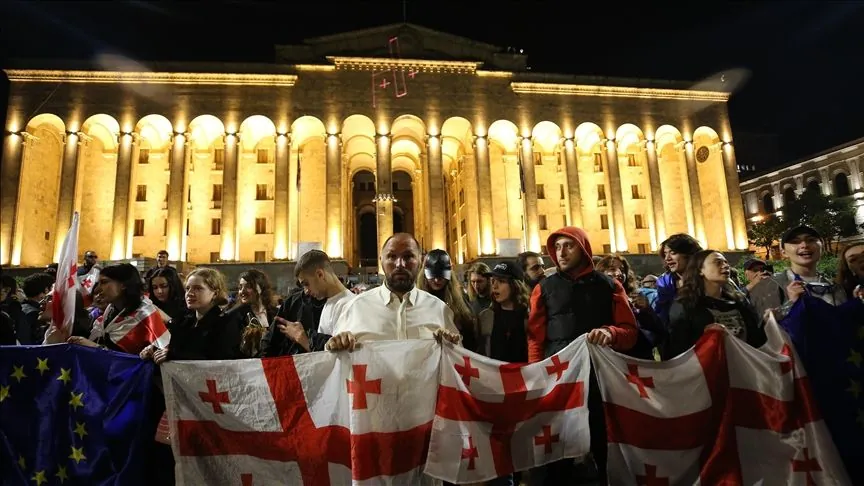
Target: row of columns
[286, 228]
[826, 184]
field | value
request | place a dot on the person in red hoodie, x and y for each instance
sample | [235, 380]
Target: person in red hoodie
[578, 300]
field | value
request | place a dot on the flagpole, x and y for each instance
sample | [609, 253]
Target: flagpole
[519, 162]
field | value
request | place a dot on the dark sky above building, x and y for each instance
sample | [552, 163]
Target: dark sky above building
[800, 64]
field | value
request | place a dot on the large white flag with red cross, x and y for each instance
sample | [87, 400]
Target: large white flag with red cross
[721, 413]
[315, 419]
[66, 284]
[494, 418]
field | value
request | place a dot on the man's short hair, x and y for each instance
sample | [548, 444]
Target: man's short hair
[312, 260]
[36, 283]
[522, 258]
[162, 252]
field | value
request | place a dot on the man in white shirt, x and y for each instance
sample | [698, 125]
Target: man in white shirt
[397, 309]
[316, 276]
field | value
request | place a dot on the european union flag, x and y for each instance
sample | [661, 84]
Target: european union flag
[73, 415]
[830, 344]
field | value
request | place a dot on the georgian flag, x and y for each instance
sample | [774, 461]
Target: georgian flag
[134, 331]
[87, 283]
[319, 419]
[66, 284]
[721, 413]
[494, 418]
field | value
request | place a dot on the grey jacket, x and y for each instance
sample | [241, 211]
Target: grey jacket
[770, 293]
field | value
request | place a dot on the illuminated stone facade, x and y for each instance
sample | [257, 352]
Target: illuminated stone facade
[834, 172]
[358, 133]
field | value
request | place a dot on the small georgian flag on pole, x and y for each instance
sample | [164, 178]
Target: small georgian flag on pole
[66, 285]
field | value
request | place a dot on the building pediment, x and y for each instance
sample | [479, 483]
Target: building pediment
[405, 41]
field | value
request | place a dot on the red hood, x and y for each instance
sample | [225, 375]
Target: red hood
[581, 238]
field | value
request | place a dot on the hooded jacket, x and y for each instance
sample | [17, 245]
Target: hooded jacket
[623, 327]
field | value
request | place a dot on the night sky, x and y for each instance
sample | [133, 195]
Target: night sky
[801, 64]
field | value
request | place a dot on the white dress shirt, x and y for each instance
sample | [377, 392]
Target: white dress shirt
[333, 309]
[379, 315]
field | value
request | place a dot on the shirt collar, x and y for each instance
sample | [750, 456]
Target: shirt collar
[388, 296]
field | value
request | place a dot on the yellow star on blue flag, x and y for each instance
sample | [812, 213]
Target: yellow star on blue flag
[95, 402]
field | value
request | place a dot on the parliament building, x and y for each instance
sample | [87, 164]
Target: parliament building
[343, 140]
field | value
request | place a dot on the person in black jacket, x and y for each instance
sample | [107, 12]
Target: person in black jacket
[708, 300]
[298, 307]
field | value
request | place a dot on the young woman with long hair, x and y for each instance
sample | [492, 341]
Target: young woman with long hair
[707, 299]
[437, 279]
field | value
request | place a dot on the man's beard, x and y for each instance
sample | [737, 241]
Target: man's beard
[400, 281]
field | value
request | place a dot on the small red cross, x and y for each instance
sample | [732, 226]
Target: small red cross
[786, 366]
[246, 479]
[650, 478]
[360, 387]
[213, 397]
[808, 465]
[640, 381]
[467, 371]
[557, 367]
[73, 271]
[470, 453]
[412, 73]
[384, 84]
[546, 440]
[87, 283]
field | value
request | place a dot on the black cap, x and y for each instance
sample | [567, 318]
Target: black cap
[437, 265]
[799, 230]
[753, 262]
[505, 270]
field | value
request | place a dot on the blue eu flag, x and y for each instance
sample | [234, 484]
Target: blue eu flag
[73, 415]
[830, 344]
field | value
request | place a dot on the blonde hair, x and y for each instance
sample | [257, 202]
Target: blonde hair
[215, 281]
[453, 298]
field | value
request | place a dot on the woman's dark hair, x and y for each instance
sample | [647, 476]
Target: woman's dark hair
[693, 284]
[175, 286]
[258, 279]
[681, 243]
[846, 278]
[128, 276]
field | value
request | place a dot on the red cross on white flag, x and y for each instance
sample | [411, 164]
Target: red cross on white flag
[290, 420]
[496, 405]
[66, 284]
[721, 413]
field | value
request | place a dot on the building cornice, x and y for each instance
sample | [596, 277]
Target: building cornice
[126, 77]
[810, 163]
[420, 65]
[618, 92]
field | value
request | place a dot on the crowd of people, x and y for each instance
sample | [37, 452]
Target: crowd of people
[516, 311]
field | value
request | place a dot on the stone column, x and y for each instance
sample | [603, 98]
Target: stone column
[484, 195]
[777, 196]
[619, 230]
[228, 250]
[532, 231]
[736, 204]
[571, 166]
[176, 195]
[294, 176]
[827, 186]
[122, 196]
[799, 184]
[334, 196]
[855, 174]
[13, 156]
[66, 196]
[384, 194]
[656, 191]
[280, 204]
[437, 210]
[695, 194]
